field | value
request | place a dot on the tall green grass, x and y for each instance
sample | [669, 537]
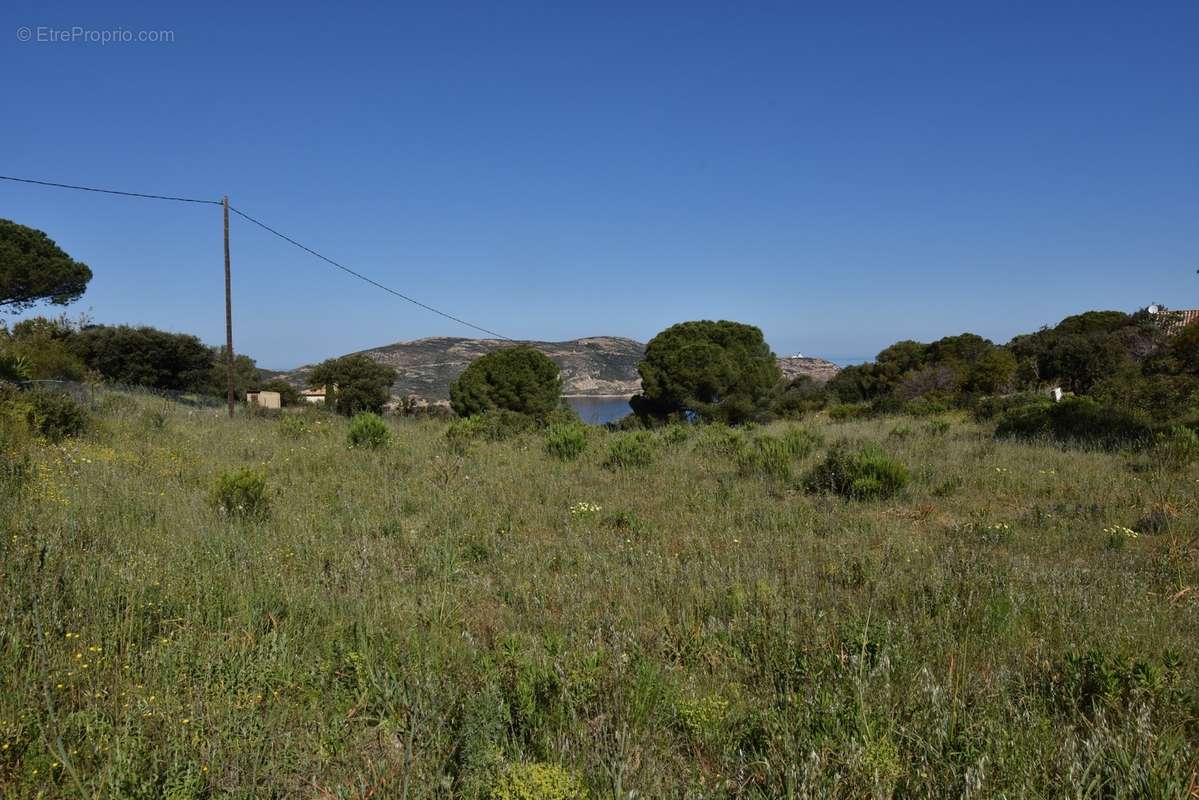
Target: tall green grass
[433, 620]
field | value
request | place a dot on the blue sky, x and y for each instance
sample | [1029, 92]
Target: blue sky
[842, 175]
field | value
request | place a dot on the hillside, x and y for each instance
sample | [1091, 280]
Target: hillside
[595, 366]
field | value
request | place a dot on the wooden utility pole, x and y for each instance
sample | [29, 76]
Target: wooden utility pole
[228, 311]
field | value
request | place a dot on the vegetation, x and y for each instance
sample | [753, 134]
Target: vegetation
[861, 473]
[567, 440]
[714, 371]
[242, 493]
[368, 430]
[353, 384]
[33, 269]
[518, 379]
[199, 607]
[47, 413]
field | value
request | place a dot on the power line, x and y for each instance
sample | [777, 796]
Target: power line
[269, 229]
[109, 191]
[360, 276]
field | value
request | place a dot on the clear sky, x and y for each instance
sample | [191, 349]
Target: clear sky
[841, 174]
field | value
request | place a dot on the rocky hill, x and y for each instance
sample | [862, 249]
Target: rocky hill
[596, 366]
[816, 368]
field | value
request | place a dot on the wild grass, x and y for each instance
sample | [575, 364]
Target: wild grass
[432, 619]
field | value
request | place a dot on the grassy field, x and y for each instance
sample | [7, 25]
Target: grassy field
[449, 618]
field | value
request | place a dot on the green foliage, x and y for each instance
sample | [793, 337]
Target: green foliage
[242, 493]
[991, 372]
[13, 366]
[630, 450]
[50, 414]
[57, 415]
[1184, 350]
[718, 371]
[16, 444]
[292, 426]
[215, 380]
[144, 356]
[566, 441]
[1098, 682]
[34, 269]
[765, 457]
[496, 425]
[675, 433]
[369, 431]
[1075, 419]
[864, 473]
[519, 379]
[538, 782]
[353, 384]
[937, 427]
[1178, 447]
[40, 349]
[801, 396]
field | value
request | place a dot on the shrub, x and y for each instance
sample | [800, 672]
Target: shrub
[989, 408]
[369, 430]
[722, 440]
[51, 414]
[518, 379]
[566, 441]
[765, 457]
[863, 474]
[937, 427]
[1178, 447]
[841, 412]
[630, 450]
[292, 426]
[538, 782]
[242, 493]
[675, 434]
[1075, 419]
[799, 442]
[16, 463]
[928, 406]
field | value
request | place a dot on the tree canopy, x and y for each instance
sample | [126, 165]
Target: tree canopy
[34, 269]
[353, 383]
[519, 379]
[145, 356]
[714, 370]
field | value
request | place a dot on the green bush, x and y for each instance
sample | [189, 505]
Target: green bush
[927, 406]
[242, 493]
[675, 433]
[630, 450]
[496, 425]
[765, 457]
[566, 441]
[990, 408]
[16, 462]
[292, 426]
[799, 442]
[866, 473]
[47, 413]
[937, 427]
[368, 430]
[1075, 419]
[1178, 447]
[842, 412]
[538, 782]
